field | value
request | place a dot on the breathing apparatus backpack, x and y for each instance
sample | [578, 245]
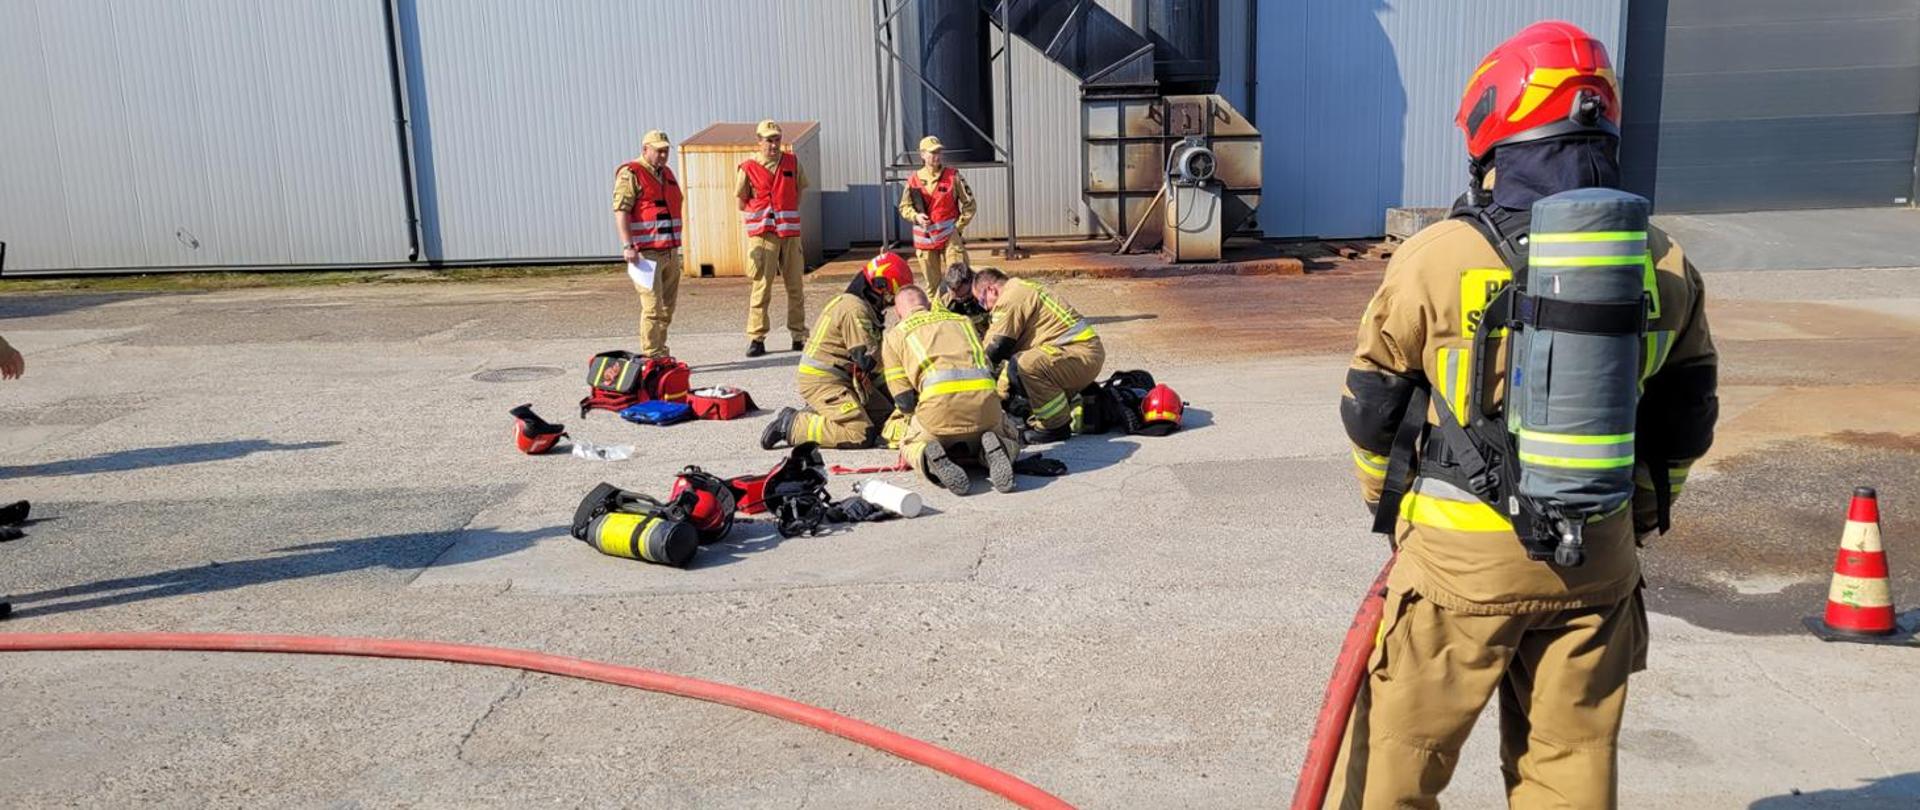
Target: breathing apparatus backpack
[794, 492]
[713, 503]
[630, 525]
[1116, 403]
[1562, 452]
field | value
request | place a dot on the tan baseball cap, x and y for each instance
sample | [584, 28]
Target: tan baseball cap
[767, 129]
[931, 144]
[655, 138]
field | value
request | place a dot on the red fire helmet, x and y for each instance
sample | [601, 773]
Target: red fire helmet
[1550, 79]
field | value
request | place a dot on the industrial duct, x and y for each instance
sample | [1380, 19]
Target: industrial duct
[1186, 44]
[946, 41]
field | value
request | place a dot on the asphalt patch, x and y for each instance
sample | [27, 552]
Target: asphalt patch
[1753, 546]
[518, 374]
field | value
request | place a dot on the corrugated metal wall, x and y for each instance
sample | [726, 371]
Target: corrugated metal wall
[175, 133]
[1356, 101]
[243, 133]
[1766, 104]
[524, 109]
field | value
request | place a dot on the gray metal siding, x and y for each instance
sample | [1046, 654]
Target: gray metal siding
[1357, 98]
[174, 133]
[525, 109]
[1764, 104]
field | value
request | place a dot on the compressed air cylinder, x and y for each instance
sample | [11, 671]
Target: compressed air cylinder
[646, 537]
[1575, 383]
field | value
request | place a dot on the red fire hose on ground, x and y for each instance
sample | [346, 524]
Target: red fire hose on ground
[940, 759]
[1348, 671]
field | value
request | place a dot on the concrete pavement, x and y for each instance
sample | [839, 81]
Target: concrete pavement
[1153, 630]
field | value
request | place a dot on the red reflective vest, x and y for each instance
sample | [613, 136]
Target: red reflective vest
[655, 224]
[943, 207]
[774, 207]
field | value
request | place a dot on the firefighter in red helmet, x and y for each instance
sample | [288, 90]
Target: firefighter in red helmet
[1469, 614]
[846, 404]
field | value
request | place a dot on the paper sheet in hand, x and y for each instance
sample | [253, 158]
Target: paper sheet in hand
[641, 271]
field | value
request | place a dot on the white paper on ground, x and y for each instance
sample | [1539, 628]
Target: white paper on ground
[603, 452]
[641, 271]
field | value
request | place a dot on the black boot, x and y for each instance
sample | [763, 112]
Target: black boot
[1034, 435]
[999, 462]
[14, 513]
[779, 430]
[945, 471]
[756, 348]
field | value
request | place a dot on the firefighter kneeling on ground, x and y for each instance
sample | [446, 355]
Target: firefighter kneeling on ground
[837, 374]
[955, 295]
[1471, 610]
[940, 379]
[1050, 351]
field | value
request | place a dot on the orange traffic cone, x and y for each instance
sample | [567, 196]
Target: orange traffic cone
[1860, 603]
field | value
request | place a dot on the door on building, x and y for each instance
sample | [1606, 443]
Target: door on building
[1743, 105]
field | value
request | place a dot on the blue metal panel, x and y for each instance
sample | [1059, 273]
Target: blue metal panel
[1357, 97]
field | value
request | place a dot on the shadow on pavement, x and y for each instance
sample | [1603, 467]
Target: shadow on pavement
[772, 359]
[1082, 454]
[394, 551]
[1902, 790]
[50, 304]
[148, 457]
[1102, 320]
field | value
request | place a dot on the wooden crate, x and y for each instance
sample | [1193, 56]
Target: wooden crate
[716, 241]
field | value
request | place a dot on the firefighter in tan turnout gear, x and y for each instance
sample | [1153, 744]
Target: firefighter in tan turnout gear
[939, 204]
[838, 374]
[939, 377]
[769, 186]
[646, 211]
[1050, 351]
[955, 295]
[1470, 612]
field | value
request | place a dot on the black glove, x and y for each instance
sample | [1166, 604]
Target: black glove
[1041, 466]
[906, 401]
[857, 510]
[1000, 349]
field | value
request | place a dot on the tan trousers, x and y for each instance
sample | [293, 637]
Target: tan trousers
[656, 305]
[1052, 375]
[1562, 681]
[963, 448]
[770, 258]
[836, 417]
[933, 263]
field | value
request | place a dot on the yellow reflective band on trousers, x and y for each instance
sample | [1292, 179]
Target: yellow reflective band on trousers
[1370, 465]
[1440, 505]
[1052, 408]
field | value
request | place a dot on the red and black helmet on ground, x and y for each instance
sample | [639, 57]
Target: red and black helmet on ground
[1551, 79]
[885, 274]
[532, 434]
[1161, 411]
